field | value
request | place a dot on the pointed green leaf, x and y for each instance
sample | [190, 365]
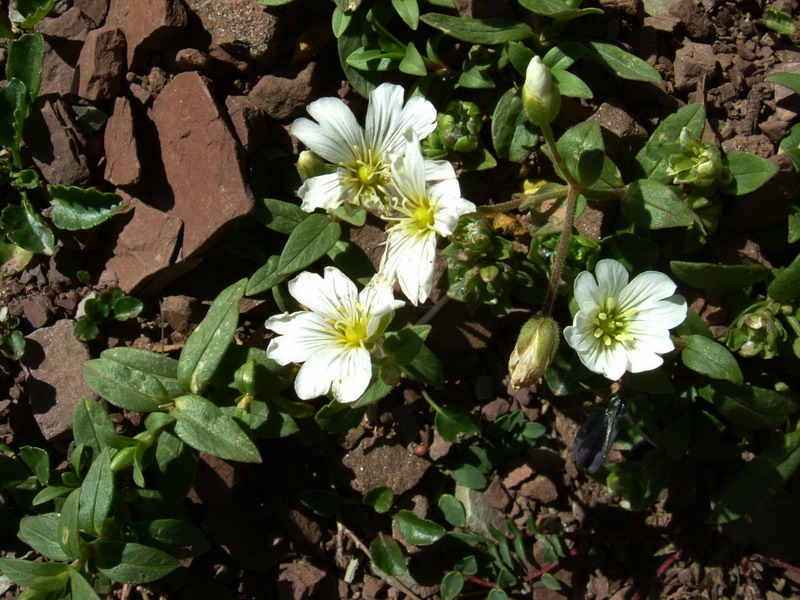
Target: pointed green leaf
[33, 11]
[619, 62]
[786, 285]
[412, 62]
[387, 556]
[479, 31]
[338, 417]
[266, 277]
[749, 172]
[451, 422]
[789, 80]
[653, 159]
[80, 588]
[379, 498]
[408, 11]
[26, 228]
[557, 9]
[711, 359]
[25, 56]
[172, 535]
[38, 460]
[81, 208]
[69, 536]
[98, 492]
[308, 242]
[653, 205]
[124, 386]
[203, 426]
[12, 472]
[45, 577]
[132, 563]
[752, 407]
[512, 134]
[718, 277]
[416, 530]
[41, 533]
[205, 348]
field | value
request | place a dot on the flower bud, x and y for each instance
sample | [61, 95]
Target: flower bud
[534, 351]
[310, 164]
[540, 95]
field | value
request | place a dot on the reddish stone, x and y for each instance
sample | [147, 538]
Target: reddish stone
[101, 64]
[62, 36]
[248, 122]
[56, 145]
[147, 24]
[122, 159]
[96, 10]
[202, 160]
[285, 97]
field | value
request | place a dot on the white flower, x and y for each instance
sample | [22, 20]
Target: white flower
[623, 326]
[363, 157]
[426, 210]
[332, 339]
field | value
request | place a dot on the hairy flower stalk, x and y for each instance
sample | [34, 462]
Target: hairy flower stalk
[360, 160]
[334, 338]
[623, 326]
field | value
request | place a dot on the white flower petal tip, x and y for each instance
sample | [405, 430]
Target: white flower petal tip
[622, 326]
[361, 158]
[334, 338]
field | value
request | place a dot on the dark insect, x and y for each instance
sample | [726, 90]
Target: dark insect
[598, 434]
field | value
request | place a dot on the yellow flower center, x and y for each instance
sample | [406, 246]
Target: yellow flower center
[351, 329]
[611, 324]
[367, 174]
[423, 216]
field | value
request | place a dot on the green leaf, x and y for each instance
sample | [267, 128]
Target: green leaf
[13, 259]
[718, 277]
[172, 535]
[779, 21]
[127, 307]
[785, 287]
[512, 135]
[479, 31]
[752, 407]
[266, 277]
[163, 368]
[791, 145]
[583, 143]
[80, 588]
[38, 461]
[750, 486]
[124, 386]
[557, 9]
[653, 159]
[205, 348]
[425, 367]
[13, 110]
[33, 11]
[497, 594]
[653, 205]
[377, 390]
[69, 535]
[551, 582]
[98, 492]
[267, 421]
[132, 563]
[635, 252]
[26, 228]
[175, 466]
[45, 577]
[475, 78]
[50, 493]
[25, 56]
[387, 556]
[571, 85]
[280, 216]
[85, 329]
[203, 426]
[12, 472]
[323, 502]
[309, 242]
[41, 534]
[711, 359]
[412, 62]
[619, 62]
[403, 346]
[12, 344]
[78, 208]
[453, 510]
[452, 421]
[789, 80]
[416, 530]
[348, 42]
[749, 173]
[408, 11]
[379, 498]
[373, 59]
[337, 417]
[451, 585]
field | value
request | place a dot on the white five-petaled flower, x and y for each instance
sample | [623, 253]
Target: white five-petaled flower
[623, 326]
[363, 157]
[426, 210]
[332, 339]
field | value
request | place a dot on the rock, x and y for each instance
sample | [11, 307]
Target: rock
[242, 27]
[182, 313]
[147, 24]
[622, 134]
[759, 145]
[63, 36]
[37, 310]
[658, 8]
[541, 489]
[480, 514]
[96, 10]
[57, 73]
[145, 246]
[775, 130]
[300, 527]
[629, 7]
[72, 26]
[55, 143]
[202, 162]
[694, 19]
[191, 59]
[519, 471]
[376, 465]
[285, 96]
[497, 495]
[122, 156]
[693, 63]
[495, 409]
[300, 580]
[217, 480]
[248, 122]
[54, 359]
[101, 65]
[439, 448]
[483, 9]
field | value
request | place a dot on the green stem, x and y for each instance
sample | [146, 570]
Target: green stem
[562, 251]
[520, 199]
[547, 132]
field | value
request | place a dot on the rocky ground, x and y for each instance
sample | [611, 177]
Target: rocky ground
[171, 104]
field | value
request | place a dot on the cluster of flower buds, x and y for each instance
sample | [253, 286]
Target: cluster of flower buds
[457, 130]
[758, 331]
[699, 163]
[483, 267]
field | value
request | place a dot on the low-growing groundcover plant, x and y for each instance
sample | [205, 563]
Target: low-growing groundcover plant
[343, 339]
